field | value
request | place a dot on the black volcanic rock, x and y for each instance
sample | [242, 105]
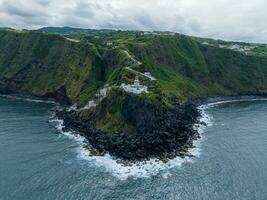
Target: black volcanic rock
[161, 132]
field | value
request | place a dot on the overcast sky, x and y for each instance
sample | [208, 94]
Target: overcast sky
[244, 20]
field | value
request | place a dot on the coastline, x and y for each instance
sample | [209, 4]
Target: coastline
[75, 126]
[31, 98]
[116, 145]
[140, 169]
[128, 149]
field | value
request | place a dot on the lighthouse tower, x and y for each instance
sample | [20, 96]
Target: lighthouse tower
[136, 82]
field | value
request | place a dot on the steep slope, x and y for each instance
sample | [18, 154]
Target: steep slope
[47, 65]
[189, 69]
[172, 69]
[50, 65]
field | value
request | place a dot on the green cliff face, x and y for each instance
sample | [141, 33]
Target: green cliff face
[48, 65]
[188, 69]
[73, 65]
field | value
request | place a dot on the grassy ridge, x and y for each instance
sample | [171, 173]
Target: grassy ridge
[188, 69]
[44, 64]
[76, 65]
[73, 67]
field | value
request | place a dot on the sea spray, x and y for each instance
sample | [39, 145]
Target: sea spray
[143, 169]
[28, 99]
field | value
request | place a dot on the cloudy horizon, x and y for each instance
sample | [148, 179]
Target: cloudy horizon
[239, 20]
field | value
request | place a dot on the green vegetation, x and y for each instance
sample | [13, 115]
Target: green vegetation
[49, 65]
[261, 50]
[73, 64]
[44, 64]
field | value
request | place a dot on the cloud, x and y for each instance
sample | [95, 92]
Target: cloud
[225, 19]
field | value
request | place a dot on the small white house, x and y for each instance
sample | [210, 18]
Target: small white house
[91, 105]
[222, 46]
[73, 108]
[235, 47]
[103, 92]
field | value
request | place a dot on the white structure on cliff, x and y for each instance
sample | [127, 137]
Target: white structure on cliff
[135, 88]
[73, 108]
[103, 92]
[91, 105]
[99, 97]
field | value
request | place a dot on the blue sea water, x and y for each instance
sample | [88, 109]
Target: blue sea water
[38, 161]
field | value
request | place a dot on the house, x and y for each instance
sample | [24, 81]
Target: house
[91, 105]
[222, 46]
[235, 47]
[103, 92]
[73, 108]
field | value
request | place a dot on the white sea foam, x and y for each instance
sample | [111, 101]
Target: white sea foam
[60, 126]
[209, 105]
[148, 168]
[137, 170]
[141, 169]
[29, 99]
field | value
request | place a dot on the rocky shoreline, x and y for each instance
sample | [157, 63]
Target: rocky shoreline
[162, 135]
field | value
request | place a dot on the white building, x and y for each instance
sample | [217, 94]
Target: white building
[135, 88]
[235, 47]
[91, 105]
[73, 108]
[103, 92]
[222, 46]
[147, 33]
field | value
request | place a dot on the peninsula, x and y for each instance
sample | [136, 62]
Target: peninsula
[129, 93]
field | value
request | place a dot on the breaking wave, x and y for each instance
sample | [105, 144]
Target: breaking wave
[209, 105]
[153, 166]
[29, 99]
[140, 169]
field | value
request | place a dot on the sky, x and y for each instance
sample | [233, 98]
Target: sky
[241, 20]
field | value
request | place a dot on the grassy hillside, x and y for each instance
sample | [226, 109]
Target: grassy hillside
[73, 65]
[76, 64]
[188, 69]
[49, 66]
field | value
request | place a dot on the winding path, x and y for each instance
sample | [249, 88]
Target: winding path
[137, 63]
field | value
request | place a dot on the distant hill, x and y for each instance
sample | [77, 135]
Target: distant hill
[70, 30]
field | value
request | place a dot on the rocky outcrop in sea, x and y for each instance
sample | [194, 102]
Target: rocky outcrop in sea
[160, 132]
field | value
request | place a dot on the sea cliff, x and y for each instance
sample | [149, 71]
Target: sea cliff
[153, 131]
[100, 73]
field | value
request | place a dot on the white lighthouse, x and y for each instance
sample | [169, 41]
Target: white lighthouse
[136, 82]
[135, 88]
